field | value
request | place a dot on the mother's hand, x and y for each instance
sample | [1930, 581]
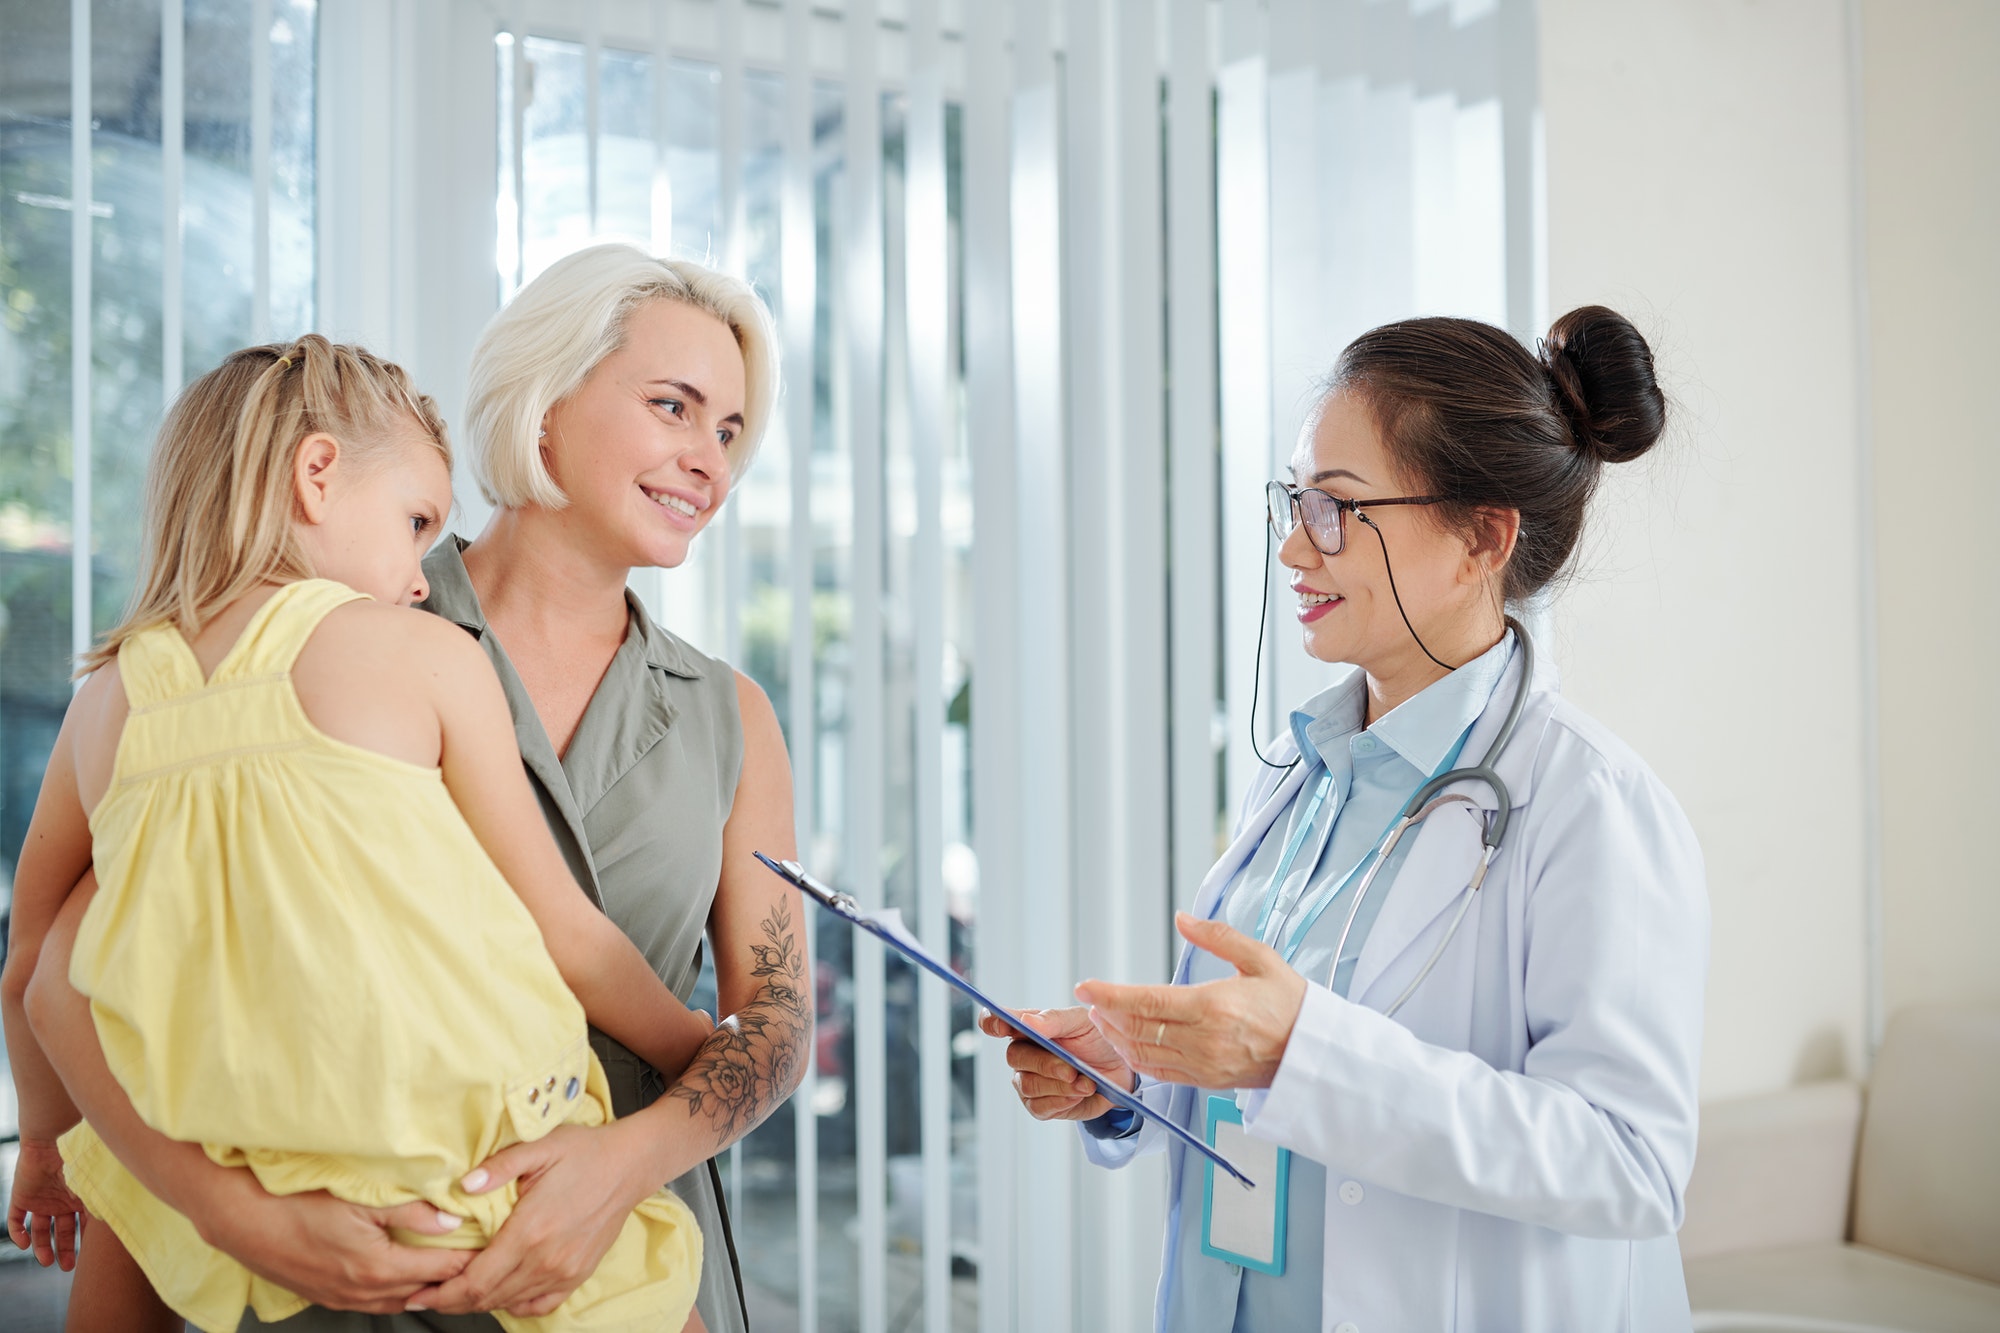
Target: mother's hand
[577, 1186]
[1050, 1089]
[1230, 1033]
[337, 1254]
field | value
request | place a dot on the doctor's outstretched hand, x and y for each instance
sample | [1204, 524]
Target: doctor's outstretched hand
[1230, 1033]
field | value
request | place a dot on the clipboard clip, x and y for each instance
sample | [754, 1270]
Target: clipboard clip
[795, 874]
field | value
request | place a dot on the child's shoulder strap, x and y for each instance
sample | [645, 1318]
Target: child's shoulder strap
[156, 665]
[272, 640]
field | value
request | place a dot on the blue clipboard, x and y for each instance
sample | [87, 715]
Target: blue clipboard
[843, 906]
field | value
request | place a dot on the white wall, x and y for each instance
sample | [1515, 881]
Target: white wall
[1931, 142]
[1699, 180]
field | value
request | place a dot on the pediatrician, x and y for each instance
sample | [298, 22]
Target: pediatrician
[1478, 1113]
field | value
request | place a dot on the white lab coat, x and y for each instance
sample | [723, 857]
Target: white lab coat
[1509, 1152]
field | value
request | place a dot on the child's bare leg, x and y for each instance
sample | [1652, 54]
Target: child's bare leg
[694, 1324]
[110, 1291]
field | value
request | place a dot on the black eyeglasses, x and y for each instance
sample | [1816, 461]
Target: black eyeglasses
[1324, 515]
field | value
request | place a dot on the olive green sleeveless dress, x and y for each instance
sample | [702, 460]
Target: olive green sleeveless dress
[637, 806]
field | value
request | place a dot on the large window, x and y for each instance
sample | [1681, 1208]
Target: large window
[156, 211]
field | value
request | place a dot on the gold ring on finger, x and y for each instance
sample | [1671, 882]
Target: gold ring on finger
[1160, 1037]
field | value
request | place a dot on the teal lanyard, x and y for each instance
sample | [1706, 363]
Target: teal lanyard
[1326, 896]
[1298, 840]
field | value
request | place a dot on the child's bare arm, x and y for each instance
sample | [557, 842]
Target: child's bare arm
[41, 1211]
[54, 856]
[482, 770]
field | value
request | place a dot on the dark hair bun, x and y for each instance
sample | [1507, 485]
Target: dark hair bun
[1603, 375]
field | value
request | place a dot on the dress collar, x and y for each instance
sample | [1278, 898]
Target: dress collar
[454, 598]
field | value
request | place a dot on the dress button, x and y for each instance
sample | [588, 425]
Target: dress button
[1351, 1192]
[574, 1088]
[1347, 1328]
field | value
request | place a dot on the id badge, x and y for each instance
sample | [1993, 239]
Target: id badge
[1239, 1225]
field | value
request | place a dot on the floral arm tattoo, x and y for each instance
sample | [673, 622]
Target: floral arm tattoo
[753, 1059]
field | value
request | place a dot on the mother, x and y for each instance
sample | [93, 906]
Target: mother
[612, 403]
[1509, 1149]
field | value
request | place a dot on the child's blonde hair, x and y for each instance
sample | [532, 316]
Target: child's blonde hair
[219, 499]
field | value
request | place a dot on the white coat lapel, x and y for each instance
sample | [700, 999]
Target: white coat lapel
[1248, 839]
[1444, 851]
[1279, 790]
[1241, 848]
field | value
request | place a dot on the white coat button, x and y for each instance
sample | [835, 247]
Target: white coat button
[1352, 1193]
[1347, 1328]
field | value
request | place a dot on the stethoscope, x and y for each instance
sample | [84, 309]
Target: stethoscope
[1425, 801]
[1429, 798]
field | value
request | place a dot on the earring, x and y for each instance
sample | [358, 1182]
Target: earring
[542, 434]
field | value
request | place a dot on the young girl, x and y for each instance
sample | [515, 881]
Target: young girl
[331, 932]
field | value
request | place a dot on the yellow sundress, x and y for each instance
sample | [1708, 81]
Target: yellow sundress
[301, 958]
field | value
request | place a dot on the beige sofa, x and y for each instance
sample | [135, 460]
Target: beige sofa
[1833, 1209]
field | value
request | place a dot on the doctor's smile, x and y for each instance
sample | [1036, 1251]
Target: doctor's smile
[1314, 604]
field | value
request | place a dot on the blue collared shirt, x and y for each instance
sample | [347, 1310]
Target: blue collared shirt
[1373, 771]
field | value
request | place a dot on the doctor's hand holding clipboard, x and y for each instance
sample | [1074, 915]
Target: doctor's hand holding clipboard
[1048, 1088]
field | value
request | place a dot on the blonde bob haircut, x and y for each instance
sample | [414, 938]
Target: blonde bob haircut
[546, 341]
[220, 499]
